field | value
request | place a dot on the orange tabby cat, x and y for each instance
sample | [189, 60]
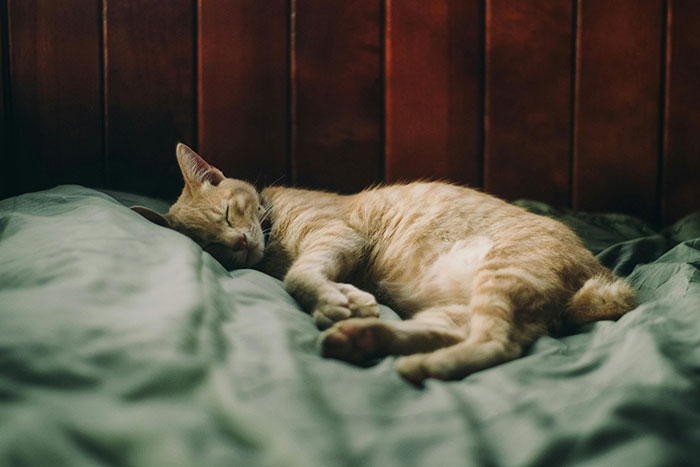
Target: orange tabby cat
[475, 279]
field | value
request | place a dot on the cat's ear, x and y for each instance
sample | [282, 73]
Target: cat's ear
[152, 216]
[196, 171]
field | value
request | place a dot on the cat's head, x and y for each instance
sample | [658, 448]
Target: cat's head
[222, 215]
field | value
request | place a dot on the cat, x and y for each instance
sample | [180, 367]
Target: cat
[475, 279]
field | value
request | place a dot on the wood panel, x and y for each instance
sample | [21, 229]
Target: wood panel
[433, 90]
[243, 87]
[344, 94]
[56, 96]
[681, 170]
[6, 152]
[336, 94]
[149, 92]
[617, 106]
[528, 99]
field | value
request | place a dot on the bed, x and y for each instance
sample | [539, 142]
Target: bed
[123, 343]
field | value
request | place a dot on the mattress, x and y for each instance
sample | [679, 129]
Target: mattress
[123, 343]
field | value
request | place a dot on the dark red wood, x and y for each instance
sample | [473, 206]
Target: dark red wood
[528, 99]
[433, 86]
[6, 152]
[336, 94]
[56, 97]
[297, 82]
[243, 87]
[616, 148]
[681, 164]
[149, 88]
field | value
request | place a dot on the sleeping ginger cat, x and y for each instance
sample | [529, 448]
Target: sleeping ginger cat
[475, 279]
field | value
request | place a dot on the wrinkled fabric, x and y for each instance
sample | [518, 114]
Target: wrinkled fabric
[123, 343]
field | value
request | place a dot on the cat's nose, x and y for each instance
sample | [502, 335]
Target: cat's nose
[241, 243]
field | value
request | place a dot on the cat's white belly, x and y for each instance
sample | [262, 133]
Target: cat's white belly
[447, 280]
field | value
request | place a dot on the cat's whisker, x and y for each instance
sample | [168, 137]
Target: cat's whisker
[276, 181]
[265, 215]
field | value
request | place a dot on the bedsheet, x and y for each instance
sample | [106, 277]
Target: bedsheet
[123, 343]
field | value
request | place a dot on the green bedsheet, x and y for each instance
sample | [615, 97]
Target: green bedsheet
[123, 343]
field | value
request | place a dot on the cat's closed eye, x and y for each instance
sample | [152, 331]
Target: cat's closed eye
[226, 217]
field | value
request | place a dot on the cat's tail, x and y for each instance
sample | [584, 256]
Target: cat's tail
[603, 296]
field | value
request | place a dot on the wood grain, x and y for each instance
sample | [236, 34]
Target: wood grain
[243, 87]
[681, 162]
[528, 99]
[616, 146]
[149, 88]
[342, 94]
[433, 90]
[336, 94]
[56, 96]
[6, 152]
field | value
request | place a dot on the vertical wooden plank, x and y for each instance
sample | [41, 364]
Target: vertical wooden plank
[433, 90]
[56, 96]
[149, 92]
[681, 163]
[616, 142]
[243, 87]
[6, 152]
[528, 99]
[336, 93]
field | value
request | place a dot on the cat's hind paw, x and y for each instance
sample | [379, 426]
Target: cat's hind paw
[356, 340]
[418, 367]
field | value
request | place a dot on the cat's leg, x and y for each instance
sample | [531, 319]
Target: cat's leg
[492, 339]
[489, 343]
[510, 308]
[360, 339]
[313, 280]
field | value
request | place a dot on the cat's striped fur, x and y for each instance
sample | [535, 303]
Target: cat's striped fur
[475, 278]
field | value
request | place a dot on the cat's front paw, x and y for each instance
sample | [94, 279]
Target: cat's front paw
[356, 340]
[343, 301]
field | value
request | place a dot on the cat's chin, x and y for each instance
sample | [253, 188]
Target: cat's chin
[241, 259]
[254, 257]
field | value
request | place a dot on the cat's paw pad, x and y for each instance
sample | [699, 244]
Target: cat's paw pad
[362, 304]
[332, 307]
[418, 367]
[355, 340]
[343, 301]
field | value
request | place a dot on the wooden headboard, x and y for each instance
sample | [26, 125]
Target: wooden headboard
[591, 104]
